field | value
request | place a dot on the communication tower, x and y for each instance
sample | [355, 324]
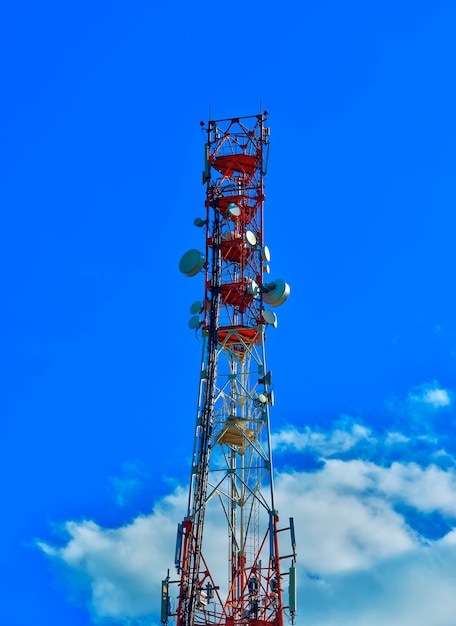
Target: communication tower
[237, 576]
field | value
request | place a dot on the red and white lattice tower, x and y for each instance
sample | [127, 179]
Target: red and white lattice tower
[228, 553]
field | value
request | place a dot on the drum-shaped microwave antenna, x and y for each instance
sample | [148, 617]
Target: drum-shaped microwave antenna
[192, 262]
[276, 293]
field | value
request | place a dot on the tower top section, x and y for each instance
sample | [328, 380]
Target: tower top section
[235, 163]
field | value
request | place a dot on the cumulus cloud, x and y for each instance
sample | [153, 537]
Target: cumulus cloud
[119, 570]
[394, 437]
[431, 395]
[338, 530]
[362, 559]
[346, 439]
[346, 523]
[418, 431]
[113, 565]
[413, 589]
[342, 438]
[429, 489]
[425, 408]
[348, 515]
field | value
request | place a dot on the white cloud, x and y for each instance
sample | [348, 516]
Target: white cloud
[347, 531]
[423, 410]
[393, 438]
[437, 397]
[413, 589]
[340, 439]
[430, 394]
[361, 564]
[342, 523]
[429, 489]
[120, 569]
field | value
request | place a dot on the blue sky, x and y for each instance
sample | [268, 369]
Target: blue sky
[100, 172]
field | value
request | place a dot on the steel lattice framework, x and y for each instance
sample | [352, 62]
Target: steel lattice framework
[231, 474]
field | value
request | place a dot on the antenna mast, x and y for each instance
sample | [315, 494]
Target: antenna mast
[231, 481]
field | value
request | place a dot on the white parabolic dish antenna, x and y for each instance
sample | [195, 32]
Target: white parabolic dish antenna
[265, 254]
[233, 210]
[250, 238]
[192, 262]
[253, 289]
[270, 318]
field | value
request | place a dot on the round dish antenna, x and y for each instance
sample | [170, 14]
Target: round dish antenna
[197, 307]
[270, 318]
[265, 254]
[233, 210]
[194, 322]
[250, 238]
[198, 221]
[253, 289]
[192, 262]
